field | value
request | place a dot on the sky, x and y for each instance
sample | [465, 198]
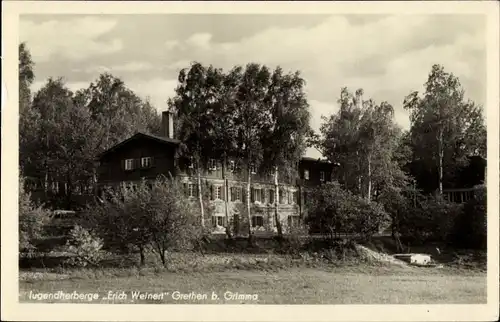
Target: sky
[389, 56]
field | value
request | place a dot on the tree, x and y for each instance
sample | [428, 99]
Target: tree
[445, 128]
[118, 110]
[26, 77]
[286, 129]
[157, 216]
[32, 219]
[222, 125]
[193, 95]
[363, 138]
[339, 139]
[335, 212]
[250, 123]
[70, 139]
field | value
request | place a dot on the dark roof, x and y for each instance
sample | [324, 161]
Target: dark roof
[159, 139]
[315, 160]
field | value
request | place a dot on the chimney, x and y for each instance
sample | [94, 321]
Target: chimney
[167, 124]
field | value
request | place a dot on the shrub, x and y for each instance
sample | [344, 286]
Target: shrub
[85, 247]
[335, 212]
[431, 221]
[156, 216]
[31, 220]
[470, 227]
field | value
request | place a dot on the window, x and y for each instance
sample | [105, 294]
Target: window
[129, 164]
[294, 197]
[191, 190]
[212, 165]
[290, 197]
[293, 221]
[146, 162]
[232, 166]
[322, 176]
[306, 174]
[281, 196]
[235, 194]
[218, 220]
[271, 196]
[305, 198]
[257, 194]
[218, 192]
[190, 163]
[257, 221]
[253, 169]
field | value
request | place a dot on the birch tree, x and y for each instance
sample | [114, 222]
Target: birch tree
[445, 128]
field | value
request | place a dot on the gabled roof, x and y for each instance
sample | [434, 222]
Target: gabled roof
[138, 135]
[319, 160]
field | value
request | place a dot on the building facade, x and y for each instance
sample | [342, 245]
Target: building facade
[224, 187]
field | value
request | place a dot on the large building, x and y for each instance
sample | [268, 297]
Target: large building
[145, 157]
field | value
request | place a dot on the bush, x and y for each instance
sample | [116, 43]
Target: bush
[31, 220]
[431, 221]
[156, 216]
[85, 248]
[336, 213]
[470, 227]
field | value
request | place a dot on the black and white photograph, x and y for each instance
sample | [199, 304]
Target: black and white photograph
[251, 159]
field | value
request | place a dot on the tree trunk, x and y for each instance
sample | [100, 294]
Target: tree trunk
[276, 204]
[250, 237]
[226, 199]
[369, 193]
[200, 198]
[143, 257]
[441, 154]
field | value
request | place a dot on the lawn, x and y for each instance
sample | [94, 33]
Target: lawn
[338, 285]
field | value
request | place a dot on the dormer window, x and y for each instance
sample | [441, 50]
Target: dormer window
[146, 162]
[306, 174]
[253, 169]
[191, 163]
[232, 166]
[322, 176]
[212, 165]
[129, 164]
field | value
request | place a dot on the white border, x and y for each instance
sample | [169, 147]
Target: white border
[12, 310]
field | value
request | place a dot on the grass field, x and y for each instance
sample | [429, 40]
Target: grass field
[338, 285]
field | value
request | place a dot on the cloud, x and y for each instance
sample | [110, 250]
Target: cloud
[388, 57]
[75, 40]
[157, 90]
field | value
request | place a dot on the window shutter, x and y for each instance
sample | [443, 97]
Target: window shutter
[152, 161]
[123, 164]
[212, 197]
[186, 191]
[243, 195]
[223, 193]
[252, 194]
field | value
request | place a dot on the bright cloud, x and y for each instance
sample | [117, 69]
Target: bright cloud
[75, 39]
[387, 57]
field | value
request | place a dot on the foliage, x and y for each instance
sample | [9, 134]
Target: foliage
[26, 77]
[335, 212]
[155, 215]
[470, 229]
[62, 132]
[85, 247]
[431, 221]
[445, 128]
[364, 140]
[31, 220]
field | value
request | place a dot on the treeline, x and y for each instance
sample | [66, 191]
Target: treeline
[61, 132]
[260, 117]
